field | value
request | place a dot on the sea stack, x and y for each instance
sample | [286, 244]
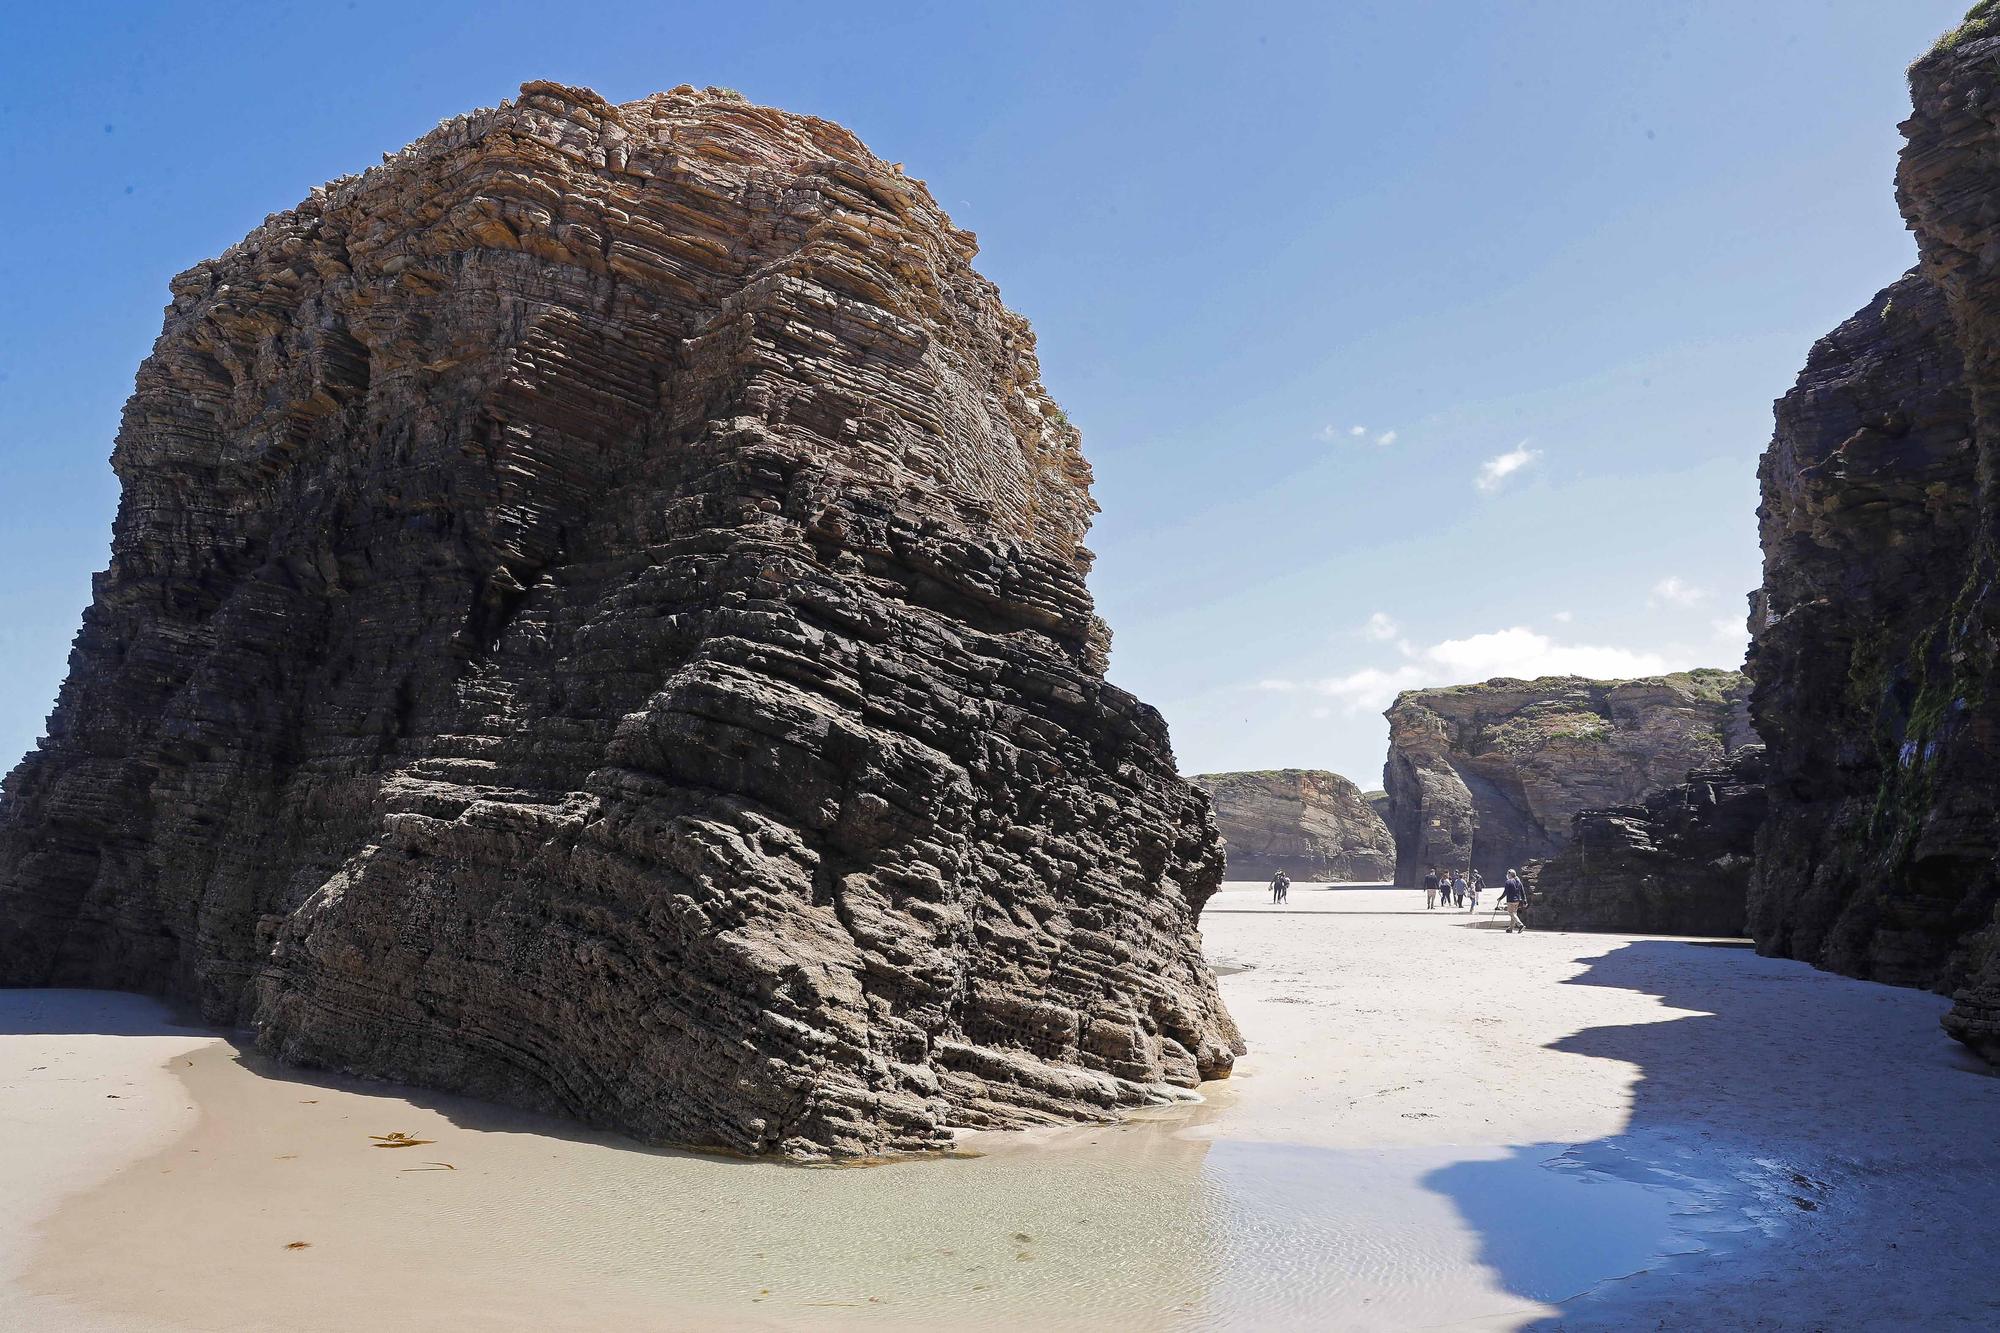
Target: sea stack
[1491, 776]
[597, 620]
[1675, 863]
[1311, 824]
[1877, 629]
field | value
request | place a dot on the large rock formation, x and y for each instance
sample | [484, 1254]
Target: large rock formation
[1492, 775]
[596, 619]
[1878, 626]
[1676, 863]
[1310, 824]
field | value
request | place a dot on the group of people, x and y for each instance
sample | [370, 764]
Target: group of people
[1461, 889]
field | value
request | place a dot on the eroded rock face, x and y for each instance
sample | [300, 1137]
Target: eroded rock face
[1491, 776]
[1676, 863]
[1312, 825]
[597, 620]
[1878, 626]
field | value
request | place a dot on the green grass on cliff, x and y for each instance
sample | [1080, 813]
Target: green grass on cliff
[1981, 21]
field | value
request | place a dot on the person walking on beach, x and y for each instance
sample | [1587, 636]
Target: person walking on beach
[1281, 885]
[1458, 888]
[1473, 885]
[1514, 896]
[1431, 888]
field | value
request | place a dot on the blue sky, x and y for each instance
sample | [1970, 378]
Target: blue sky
[1412, 342]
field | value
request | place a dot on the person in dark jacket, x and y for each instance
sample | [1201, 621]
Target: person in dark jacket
[1513, 897]
[1431, 887]
[1281, 887]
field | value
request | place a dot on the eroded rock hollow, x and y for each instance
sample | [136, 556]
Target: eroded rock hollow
[597, 620]
[1311, 824]
[1492, 776]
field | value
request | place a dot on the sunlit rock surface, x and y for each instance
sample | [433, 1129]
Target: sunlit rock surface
[1311, 824]
[1491, 776]
[596, 619]
[1676, 863]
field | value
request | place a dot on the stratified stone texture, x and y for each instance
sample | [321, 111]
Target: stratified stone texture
[1310, 824]
[1490, 776]
[1878, 625]
[597, 620]
[1677, 863]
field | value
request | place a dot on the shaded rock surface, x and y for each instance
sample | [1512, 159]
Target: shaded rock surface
[597, 619]
[1877, 629]
[1676, 863]
[1312, 825]
[1491, 776]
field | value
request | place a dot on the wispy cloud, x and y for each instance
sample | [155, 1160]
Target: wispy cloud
[1673, 590]
[1332, 434]
[1495, 470]
[1381, 628]
[1563, 617]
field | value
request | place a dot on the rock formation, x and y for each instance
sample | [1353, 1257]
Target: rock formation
[1492, 775]
[1310, 824]
[1676, 863]
[1877, 629]
[596, 620]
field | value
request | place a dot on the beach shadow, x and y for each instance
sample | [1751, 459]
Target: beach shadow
[98, 1013]
[1764, 1122]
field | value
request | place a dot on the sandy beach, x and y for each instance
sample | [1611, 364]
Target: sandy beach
[1439, 1125]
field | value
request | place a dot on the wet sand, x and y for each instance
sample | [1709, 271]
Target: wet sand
[1439, 1126]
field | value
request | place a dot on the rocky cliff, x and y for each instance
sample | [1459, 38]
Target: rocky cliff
[1310, 824]
[596, 619]
[1877, 629]
[1676, 863]
[1492, 775]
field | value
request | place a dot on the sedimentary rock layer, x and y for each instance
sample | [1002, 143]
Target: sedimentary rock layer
[596, 619]
[1491, 776]
[1676, 863]
[1310, 824]
[1877, 633]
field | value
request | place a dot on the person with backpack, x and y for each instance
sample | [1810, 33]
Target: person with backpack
[1431, 888]
[1281, 885]
[1458, 888]
[1513, 897]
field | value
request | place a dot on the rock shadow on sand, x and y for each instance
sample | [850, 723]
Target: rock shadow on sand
[1793, 1135]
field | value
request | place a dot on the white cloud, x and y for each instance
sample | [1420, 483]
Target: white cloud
[1498, 468]
[1563, 617]
[1357, 431]
[1516, 651]
[1675, 591]
[1321, 714]
[1387, 437]
[1381, 628]
[1277, 686]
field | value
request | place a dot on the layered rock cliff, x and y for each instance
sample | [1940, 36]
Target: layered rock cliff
[1310, 824]
[1877, 630]
[596, 619]
[1491, 776]
[1676, 863]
